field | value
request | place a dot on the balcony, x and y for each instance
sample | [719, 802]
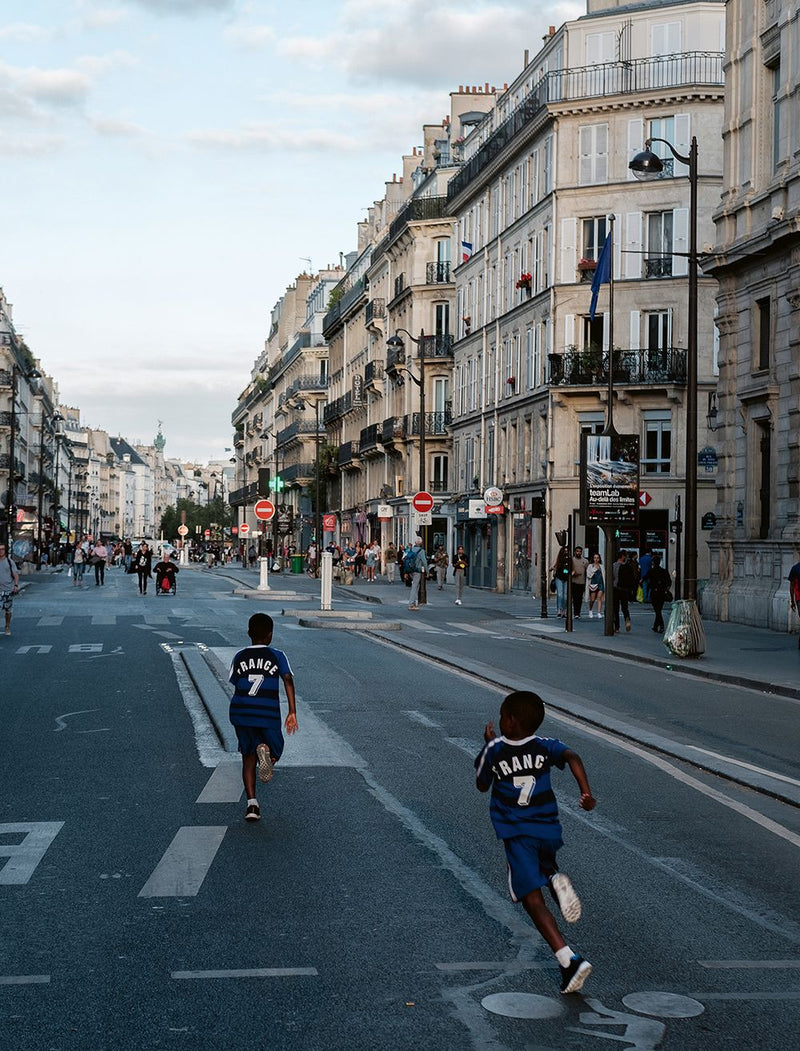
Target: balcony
[308, 382]
[348, 456]
[399, 285]
[247, 494]
[334, 410]
[436, 424]
[661, 266]
[392, 430]
[296, 430]
[373, 373]
[374, 310]
[438, 346]
[437, 274]
[589, 368]
[645, 75]
[370, 441]
[438, 485]
[298, 473]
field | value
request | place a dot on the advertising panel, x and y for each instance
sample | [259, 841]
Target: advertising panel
[610, 478]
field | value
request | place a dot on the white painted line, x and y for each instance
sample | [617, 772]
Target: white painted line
[156, 620]
[472, 628]
[25, 979]
[470, 748]
[25, 856]
[34, 649]
[185, 863]
[746, 766]
[224, 785]
[86, 647]
[252, 972]
[49, 622]
[750, 965]
[495, 965]
[418, 717]
[61, 725]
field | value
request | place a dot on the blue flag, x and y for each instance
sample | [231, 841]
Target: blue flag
[602, 274]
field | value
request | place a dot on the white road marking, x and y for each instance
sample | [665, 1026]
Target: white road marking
[25, 856]
[418, 717]
[185, 863]
[505, 966]
[746, 766]
[34, 649]
[49, 622]
[224, 785]
[472, 628]
[61, 725]
[86, 647]
[25, 979]
[252, 972]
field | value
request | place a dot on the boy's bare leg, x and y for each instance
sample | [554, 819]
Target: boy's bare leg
[249, 774]
[543, 919]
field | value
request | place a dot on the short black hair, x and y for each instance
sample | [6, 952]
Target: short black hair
[260, 626]
[527, 708]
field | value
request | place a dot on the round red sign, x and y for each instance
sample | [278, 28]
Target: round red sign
[264, 510]
[244, 528]
[422, 501]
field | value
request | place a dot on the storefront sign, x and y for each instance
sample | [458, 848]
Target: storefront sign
[385, 512]
[477, 509]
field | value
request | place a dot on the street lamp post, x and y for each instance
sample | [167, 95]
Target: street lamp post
[646, 165]
[396, 344]
[300, 404]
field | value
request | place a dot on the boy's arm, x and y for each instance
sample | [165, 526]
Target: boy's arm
[482, 782]
[290, 724]
[575, 763]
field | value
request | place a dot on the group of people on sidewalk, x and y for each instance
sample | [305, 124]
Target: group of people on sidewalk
[634, 578]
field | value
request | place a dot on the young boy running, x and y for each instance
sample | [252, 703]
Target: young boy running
[523, 809]
[255, 709]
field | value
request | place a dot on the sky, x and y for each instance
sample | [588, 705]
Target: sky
[168, 167]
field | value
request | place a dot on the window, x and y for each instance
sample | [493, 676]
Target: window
[763, 334]
[594, 234]
[658, 328]
[490, 454]
[593, 154]
[592, 332]
[657, 443]
[764, 468]
[658, 262]
[469, 462]
[439, 480]
[777, 146]
[663, 128]
[442, 313]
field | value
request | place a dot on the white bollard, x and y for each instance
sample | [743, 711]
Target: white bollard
[183, 557]
[263, 583]
[326, 581]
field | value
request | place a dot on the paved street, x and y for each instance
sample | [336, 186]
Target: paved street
[369, 908]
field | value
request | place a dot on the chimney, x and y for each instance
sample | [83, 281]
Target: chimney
[526, 59]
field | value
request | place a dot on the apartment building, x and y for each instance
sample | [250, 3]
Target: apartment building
[756, 413]
[544, 179]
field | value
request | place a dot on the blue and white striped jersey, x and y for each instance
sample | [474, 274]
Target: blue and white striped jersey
[255, 673]
[523, 802]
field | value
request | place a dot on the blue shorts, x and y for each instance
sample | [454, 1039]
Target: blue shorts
[250, 737]
[531, 862]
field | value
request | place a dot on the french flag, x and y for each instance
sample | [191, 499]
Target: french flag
[466, 251]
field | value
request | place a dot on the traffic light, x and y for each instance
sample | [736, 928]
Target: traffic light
[263, 481]
[278, 484]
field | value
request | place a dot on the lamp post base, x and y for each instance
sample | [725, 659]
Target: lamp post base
[685, 635]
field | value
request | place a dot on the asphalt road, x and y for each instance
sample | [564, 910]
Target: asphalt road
[368, 908]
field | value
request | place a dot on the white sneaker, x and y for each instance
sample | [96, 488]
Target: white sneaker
[458, 601]
[568, 900]
[265, 768]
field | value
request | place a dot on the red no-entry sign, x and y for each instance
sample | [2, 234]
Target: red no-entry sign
[422, 502]
[264, 510]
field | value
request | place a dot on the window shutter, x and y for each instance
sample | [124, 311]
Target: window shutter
[601, 147]
[682, 141]
[633, 245]
[617, 245]
[635, 319]
[680, 243]
[569, 330]
[569, 233]
[635, 141]
[585, 155]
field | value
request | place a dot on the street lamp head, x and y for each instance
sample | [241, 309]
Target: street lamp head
[646, 165]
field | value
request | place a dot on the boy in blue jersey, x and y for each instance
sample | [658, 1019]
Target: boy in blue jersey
[255, 709]
[523, 809]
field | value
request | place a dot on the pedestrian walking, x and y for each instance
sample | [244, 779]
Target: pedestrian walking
[625, 584]
[645, 565]
[460, 567]
[595, 585]
[579, 566]
[391, 562]
[441, 561]
[516, 767]
[561, 570]
[255, 709]
[99, 556]
[143, 564]
[416, 563]
[9, 585]
[78, 565]
[660, 581]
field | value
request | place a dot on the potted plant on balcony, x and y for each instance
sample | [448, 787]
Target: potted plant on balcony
[587, 264]
[524, 281]
[511, 381]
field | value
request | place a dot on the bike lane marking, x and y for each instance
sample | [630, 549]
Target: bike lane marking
[185, 863]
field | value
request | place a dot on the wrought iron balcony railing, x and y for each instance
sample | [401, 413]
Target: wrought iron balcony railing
[589, 368]
[437, 273]
[661, 266]
[370, 436]
[376, 308]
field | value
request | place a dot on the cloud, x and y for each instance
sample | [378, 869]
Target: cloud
[462, 42]
[185, 7]
[23, 32]
[249, 36]
[108, 127]
[269, 139]
[30, 145]
[56, 87]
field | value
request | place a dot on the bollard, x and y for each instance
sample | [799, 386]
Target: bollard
[263, 583]
[326, 581]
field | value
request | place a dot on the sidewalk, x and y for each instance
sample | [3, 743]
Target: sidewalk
[735, 653]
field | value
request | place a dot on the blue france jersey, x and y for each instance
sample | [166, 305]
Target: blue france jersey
[523, 802]
[255, 673]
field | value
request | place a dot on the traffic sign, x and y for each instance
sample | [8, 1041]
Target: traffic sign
[183, 530]
[422, 501]
[207, 534]
[264, 509]
[244, 528]
[644, 498]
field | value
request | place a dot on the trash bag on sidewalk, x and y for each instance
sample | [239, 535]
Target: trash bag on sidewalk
[684, 635]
